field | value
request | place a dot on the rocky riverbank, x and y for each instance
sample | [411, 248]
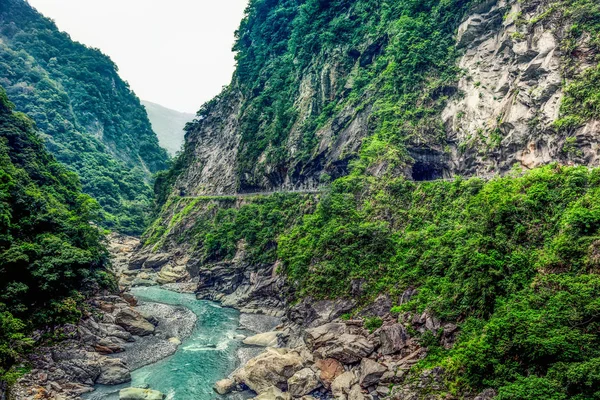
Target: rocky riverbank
[317, 354]
[114, 338]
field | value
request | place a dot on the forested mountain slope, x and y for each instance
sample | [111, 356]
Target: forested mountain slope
[168, 124]
[379, 99]
[91, 120]
[50, 253]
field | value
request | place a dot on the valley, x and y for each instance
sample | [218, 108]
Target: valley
[391, 199]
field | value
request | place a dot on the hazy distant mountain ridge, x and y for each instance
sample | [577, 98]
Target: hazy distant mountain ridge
[168, 125]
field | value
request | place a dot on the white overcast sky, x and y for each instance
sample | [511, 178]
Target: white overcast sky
[176, 53]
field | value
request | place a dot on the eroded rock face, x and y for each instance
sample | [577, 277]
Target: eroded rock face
[512, 90]
[333, 340]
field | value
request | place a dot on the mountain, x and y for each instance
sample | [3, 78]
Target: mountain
[90, 118]
[435, 223]
[50, 253]
[168, 124]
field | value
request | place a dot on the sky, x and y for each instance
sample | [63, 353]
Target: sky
[176, 53]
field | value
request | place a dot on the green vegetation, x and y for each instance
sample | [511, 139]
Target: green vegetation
[220, 224]
[397, 56]
[49, 250]
[582, 92]
[92, 121]
[515, 259]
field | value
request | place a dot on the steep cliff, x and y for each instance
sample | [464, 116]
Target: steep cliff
[91, 120]
[427, 91]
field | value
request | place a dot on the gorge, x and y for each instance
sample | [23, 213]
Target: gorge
[397, 199]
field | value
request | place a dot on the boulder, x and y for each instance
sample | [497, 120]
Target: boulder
[342, 384]
[113, 372]
[370, 372]
[267, 339]
[224, 386]
[392, 338]
[137, 261]
[303, 382]
[329, 369]
[271, 368]
[356, 393]
[273, 393]
[324, 335]
[348, 349]
[332, 340]
[157, 260]
[140, 394]
[133, 322]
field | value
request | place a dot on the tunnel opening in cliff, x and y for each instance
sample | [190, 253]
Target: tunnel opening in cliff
[423, 171]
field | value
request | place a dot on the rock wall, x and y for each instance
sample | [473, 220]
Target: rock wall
[500, 113]
[511, 93]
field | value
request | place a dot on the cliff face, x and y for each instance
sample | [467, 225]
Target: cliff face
[516, 67]
[500, 105]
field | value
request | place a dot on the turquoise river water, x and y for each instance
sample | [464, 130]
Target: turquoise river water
[208, 355]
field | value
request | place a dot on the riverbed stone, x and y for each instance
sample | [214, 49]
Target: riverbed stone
[113, 372]
[133, 322]
[303, 382]
[329, 369]
[271, 368]
[267, 339]
[224, 386]
[370, 372]
[140, 394]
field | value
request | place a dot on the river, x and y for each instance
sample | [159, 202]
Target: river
[209, 354]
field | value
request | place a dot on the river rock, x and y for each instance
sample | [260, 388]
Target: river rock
[342, 384]
[332, 340]
[303, 382]
[267, 339]
[133, 322]
[392, 338]
[113, 372]
[370, 372]
[270, 368]
[224, 386]
[171, 274]
[273, 393]
[329, 369]
[140, 394]
[356, 393]
[157, 260]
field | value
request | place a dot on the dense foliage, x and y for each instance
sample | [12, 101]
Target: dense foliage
[221, 224]
[49, 250]
[514, 259]
[395, 55]
[94, 123]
